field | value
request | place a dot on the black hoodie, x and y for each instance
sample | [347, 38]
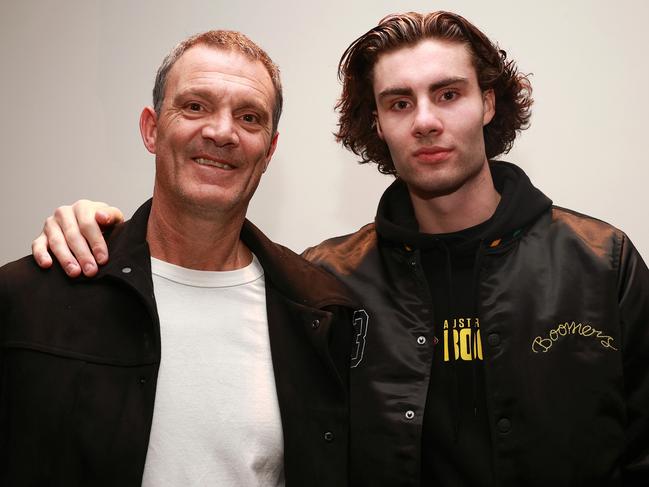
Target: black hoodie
[456, 444]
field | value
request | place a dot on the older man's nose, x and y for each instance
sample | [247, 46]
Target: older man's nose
[221, 129]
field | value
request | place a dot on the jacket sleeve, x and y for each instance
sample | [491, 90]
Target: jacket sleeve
[4, 313]
[3, 325]
[633, 289]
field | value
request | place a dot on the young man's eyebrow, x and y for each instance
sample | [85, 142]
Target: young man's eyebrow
[403, 91]
[395, 91]
[447, 82]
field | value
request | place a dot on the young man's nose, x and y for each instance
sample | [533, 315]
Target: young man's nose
[427, 120]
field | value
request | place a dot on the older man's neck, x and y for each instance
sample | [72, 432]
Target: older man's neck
[196, 240]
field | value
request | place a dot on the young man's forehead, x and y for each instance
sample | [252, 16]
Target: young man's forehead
[435, 46]
[437, 60]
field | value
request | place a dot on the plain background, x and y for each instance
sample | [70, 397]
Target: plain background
[76, 74]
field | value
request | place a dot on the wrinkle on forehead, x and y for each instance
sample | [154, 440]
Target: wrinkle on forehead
[206, 66]
[210, 75]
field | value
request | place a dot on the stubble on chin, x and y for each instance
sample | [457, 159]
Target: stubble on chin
[437, 182]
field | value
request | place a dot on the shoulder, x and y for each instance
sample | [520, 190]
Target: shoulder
[24, 273]
[24, 286]
[600, 237]
[345, 249]
[292, 275]
[583, 225]
[577, 239]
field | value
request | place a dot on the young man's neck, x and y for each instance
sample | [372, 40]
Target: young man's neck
[473, 203]
[194, 240]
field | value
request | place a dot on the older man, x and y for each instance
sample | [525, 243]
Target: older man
[203, 353]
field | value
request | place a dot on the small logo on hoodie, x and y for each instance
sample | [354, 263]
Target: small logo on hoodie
[461, 338]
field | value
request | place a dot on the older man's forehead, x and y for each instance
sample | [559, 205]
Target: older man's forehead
[203, 65]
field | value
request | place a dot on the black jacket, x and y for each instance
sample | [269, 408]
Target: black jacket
[79, 360]
[563, 305]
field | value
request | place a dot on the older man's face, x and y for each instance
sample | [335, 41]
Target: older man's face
[213, 138]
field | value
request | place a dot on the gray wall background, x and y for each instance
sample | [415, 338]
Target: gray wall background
[76, 74]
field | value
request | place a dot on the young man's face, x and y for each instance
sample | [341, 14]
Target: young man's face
[213, 137]
[431, 112]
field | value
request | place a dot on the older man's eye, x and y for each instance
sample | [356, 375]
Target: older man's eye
[194, 107]
[250, 118]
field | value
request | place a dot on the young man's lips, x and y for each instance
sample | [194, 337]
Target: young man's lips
[433, 154]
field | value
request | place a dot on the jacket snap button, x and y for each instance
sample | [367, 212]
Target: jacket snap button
[421, 340]
[410, 414]
[126, 270]
[328, 436]
[504, 425]
[493, 339]
[413, 262]
[142, 381]
[315, 324]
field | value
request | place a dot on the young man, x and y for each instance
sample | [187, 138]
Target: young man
[504, 341]
[202, 353]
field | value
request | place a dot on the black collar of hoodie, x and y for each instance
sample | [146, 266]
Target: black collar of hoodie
[521, 204]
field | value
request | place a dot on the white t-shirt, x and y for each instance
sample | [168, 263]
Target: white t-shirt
[216, 418]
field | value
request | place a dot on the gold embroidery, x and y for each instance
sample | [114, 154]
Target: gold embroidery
[543, 344]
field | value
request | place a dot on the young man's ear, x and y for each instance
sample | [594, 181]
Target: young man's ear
[377, 125]
[149, 128]
[489, 106]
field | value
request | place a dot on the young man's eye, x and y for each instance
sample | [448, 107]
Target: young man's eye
[449, 95]
[400, 105]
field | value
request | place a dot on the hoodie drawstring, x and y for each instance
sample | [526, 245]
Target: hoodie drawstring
[457, 417]
[477, 263]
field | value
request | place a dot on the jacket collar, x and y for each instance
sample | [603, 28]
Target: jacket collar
[297, 279]
[292, 275]
[129, 252]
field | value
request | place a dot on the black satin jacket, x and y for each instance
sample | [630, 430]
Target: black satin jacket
[79, 360]
[564, 312]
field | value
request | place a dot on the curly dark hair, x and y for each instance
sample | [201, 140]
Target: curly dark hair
[356, 106]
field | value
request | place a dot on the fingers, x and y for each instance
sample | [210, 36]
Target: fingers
[58, 244]
[40, 253]
[74, 236]
[92, 250]
[109, 216]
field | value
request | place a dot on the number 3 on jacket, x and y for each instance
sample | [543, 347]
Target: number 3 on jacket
[360, 332]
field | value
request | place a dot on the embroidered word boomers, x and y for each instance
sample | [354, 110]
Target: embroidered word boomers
[543, 344]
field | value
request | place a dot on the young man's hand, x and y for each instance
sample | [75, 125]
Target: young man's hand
[73, 235]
